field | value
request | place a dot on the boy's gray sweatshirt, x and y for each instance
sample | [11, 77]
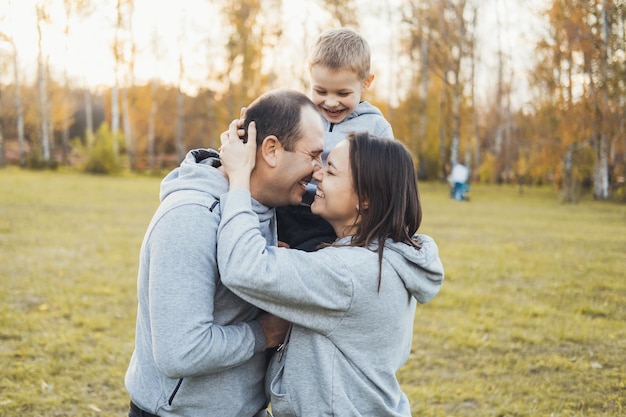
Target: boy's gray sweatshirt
[198, 350]
[348, 338]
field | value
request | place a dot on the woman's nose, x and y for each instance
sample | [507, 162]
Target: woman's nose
[318, 175]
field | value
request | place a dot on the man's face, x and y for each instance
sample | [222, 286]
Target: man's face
[336, 93]
[295, 168]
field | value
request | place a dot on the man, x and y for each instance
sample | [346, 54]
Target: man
[199, 349]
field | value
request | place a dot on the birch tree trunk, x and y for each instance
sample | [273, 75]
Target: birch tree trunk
[130, 81]
[179, 139]
[65, 134]
[423, 116]
[115, 99]
[18, 107]
[180, 143]
[601, 170]
[89, 132]
[157, 53]
[151, 123]
[457, 54]
[41, 82]
[442, 137]
[474, 148]
[2, 147]
[2, 150]
[127, 127]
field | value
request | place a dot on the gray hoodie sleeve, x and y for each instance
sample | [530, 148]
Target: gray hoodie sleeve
[185, 339]
[310, 289]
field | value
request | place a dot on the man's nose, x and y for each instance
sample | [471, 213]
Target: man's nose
[317, 163]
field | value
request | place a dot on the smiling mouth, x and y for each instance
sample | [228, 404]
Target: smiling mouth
[319, 193]
[303, 183]
[334, 112]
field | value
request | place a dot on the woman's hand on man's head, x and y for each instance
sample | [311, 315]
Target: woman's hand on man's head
[238, 158]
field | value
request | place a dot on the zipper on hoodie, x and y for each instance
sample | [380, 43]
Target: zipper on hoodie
[171, 399]
[331, 127]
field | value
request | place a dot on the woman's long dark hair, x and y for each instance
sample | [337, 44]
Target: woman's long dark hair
[384, 178]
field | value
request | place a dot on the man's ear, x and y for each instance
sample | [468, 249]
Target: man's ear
[368, 81]
[269, 150]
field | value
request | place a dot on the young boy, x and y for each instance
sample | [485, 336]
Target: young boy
[339, 67]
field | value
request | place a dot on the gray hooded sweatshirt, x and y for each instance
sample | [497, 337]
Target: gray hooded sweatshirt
[348, 338]
[198, 349]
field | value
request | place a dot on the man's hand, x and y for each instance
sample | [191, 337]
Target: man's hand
[274, 328]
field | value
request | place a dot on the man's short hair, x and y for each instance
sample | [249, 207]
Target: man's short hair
[341, 49]
[278, 113]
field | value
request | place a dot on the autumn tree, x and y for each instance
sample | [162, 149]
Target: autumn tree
[119, 49]
[252, 31]
[343, 12]
[501, 144]
[437, 40]
[73, 9]
[581, 74]
[415, 43]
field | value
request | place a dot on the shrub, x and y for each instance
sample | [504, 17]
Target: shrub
[101, 157]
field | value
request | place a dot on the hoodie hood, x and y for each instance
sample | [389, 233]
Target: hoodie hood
[421, 269]
[364, 108]
[199, 173]
[370, 113]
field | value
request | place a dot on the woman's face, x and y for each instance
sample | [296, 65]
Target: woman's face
[336, 200]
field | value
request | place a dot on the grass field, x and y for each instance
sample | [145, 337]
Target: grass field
[531, 320]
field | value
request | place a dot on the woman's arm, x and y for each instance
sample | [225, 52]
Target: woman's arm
[312, 289]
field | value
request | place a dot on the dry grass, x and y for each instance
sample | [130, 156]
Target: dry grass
[531, 318]
[530, 321]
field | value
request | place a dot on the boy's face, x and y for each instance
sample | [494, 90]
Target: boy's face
[337, 93]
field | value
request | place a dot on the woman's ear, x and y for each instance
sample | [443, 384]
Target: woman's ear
[365, 203]
[269, 150]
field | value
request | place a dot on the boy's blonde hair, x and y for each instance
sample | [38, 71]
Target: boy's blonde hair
[340, 49]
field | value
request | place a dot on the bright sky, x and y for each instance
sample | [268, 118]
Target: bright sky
[186, 25]
[89, 45]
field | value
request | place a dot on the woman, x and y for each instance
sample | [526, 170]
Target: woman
[351, 303]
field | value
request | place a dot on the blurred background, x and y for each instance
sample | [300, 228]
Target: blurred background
[518, 91]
